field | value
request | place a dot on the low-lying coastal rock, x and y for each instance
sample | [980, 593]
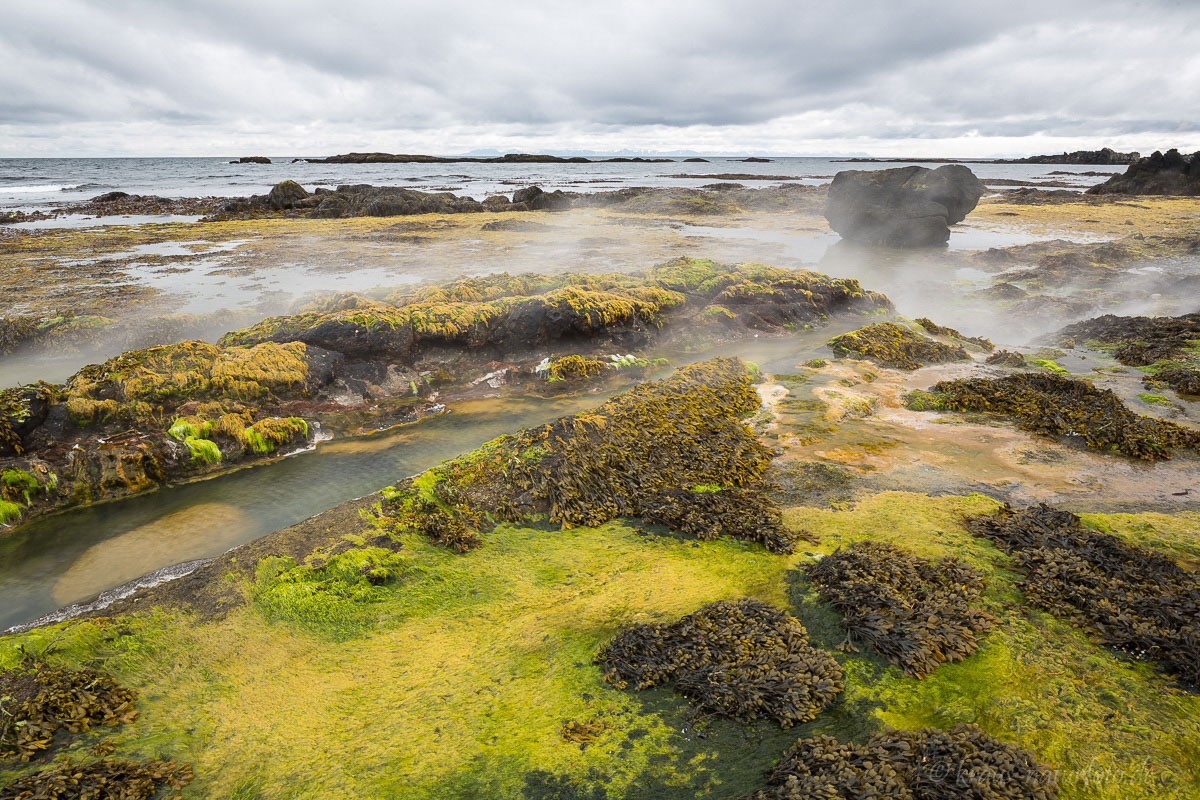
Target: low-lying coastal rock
[510, 158]
[1161, 173]
[904, 207]
[1105, 155]
[178, 411]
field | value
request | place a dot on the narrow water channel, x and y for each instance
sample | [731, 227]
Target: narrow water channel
[73, 556]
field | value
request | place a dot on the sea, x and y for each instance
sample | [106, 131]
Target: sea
[30, 184]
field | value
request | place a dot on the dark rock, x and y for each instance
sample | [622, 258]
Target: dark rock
[1161, 173]
[695, 161]
[496, 202]
[1105, 155]
[252, 160]
[904, 207]
[109, 197]
[526, 194]
[755, 160]
[285, 194]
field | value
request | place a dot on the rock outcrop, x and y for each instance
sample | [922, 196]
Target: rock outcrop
[286, 194]
[252, 160]
[1105, 155]
[1161, 173]
[904, 207]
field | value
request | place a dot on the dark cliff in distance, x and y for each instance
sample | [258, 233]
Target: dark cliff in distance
[510, 158]
[1105, 155]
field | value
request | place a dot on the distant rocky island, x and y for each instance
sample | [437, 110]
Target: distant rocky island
[510, 158]
[1103, 156]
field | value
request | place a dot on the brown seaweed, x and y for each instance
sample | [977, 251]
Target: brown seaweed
[1131, 598]
[743, 659]
[962, 763]
[916, 612]
[1054, 405]
[895, 346]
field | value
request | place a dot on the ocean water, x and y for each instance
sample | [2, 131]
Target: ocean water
[40, 183]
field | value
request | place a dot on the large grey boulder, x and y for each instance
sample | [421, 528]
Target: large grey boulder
[286, 194]
[904, 207]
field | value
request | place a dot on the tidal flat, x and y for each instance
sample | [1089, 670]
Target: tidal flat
[427, 470]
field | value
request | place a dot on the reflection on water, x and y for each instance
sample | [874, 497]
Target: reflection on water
[69, 557]
[198, 529]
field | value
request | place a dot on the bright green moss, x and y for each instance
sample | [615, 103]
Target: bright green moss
[203, 451]
[1050, 365]
[335, 599]
[9, 512]
[20, 481]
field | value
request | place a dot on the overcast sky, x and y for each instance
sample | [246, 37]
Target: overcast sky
[887, 77]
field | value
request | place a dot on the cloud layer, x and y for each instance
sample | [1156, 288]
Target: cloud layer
[226, 77]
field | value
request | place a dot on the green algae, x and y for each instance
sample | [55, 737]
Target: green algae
[504, 636]
[334, 597]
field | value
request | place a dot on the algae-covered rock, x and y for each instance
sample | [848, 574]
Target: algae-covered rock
[940, 330]
[917, 613]
[713, 512]
[904, 207]
[645, 452]
[1056, 405]
[1138, 341]
[1006, 358]
[286, 194]
[895, 346]
[744, 659]
[1134, 599]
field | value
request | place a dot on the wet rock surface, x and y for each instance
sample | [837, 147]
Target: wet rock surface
[905, 207]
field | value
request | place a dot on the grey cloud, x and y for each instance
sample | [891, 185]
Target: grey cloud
[872, 68]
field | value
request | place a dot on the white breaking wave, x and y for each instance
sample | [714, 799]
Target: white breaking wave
[107, 598]
[39, 188]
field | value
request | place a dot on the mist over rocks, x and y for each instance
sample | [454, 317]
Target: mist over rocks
[903, 207]
[1169, 173]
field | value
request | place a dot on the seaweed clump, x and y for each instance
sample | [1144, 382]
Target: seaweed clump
[1054, 405]
[107, 779]
[681, 433]
[743, 659]
[1006, 358]
[895, 346]
[927, 764]
[916, 612]
[1139, 341]
[709, 513]
[38, 700]
[1132, 598]
[940, 330]
[1182, 379]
